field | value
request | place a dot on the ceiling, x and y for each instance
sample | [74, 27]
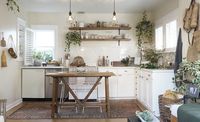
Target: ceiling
[90, 6]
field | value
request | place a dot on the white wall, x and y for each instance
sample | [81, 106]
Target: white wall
[10, 84]
[90, 51]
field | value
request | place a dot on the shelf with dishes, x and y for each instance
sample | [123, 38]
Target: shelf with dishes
[96, 37]
[105, 39]
[100, 28]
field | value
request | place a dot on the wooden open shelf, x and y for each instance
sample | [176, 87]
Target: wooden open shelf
[105, 39]
[99, 28]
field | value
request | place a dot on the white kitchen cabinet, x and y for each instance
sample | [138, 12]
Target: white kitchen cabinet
[152, 83]
[121, 86]
[33, 85]
[126, 87]
[112, 84]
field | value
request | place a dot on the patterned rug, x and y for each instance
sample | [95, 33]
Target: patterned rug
[42, 110]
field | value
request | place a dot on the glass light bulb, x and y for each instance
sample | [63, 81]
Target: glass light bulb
[70, 18]
[114, 18]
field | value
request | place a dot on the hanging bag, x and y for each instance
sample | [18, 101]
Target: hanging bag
[190, 20]
[194, 17]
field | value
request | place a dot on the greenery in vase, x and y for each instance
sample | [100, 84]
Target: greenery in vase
[12, 5]
[125, 61]
[188, 71]
[72, 38]
[144, 30]
[152, 56]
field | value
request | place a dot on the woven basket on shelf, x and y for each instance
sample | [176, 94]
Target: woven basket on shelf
[165, 113]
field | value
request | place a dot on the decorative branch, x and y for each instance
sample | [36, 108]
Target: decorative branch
[13, 5]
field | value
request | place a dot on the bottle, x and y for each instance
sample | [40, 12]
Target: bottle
[3, 41]
[103, 64]
[107, 61]
[99, 62]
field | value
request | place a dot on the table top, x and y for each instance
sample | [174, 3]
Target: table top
[81, 74]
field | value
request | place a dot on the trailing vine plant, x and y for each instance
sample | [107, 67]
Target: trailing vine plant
[188, 72]
[144, 32]
[13, 5]
[72, 38]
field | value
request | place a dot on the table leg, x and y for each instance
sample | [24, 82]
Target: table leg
[107, 96]
[54, 106]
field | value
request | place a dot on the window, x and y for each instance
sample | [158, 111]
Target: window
[171, 35]
[159, 38]
[166, 36]
[40, 44]
[44, 44]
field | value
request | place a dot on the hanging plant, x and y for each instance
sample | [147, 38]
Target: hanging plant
[72, 38]
[12, 5]
[144, 30]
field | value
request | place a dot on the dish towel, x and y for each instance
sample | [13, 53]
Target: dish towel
[1, 119]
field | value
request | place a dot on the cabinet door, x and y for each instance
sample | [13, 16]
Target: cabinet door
[33, 83]
[113, 84]
[126, 86]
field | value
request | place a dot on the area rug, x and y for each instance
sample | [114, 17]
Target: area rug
[42, 110]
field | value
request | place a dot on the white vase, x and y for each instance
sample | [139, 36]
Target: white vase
[67, 63]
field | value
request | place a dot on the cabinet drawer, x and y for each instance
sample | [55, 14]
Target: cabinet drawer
[126, 71]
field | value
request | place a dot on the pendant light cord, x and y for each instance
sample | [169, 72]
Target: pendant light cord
[114, 5]
[70, 5]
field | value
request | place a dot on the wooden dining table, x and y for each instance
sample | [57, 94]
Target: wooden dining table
[61, 76]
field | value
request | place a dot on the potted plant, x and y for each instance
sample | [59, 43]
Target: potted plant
[152, 56]
[144, 32]
[188, 72]
[72, 38]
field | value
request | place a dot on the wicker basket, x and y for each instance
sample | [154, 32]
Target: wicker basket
[165, 113]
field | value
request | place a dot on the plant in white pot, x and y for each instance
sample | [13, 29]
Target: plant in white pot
[144, 33]
[71, 38]
[188, 72]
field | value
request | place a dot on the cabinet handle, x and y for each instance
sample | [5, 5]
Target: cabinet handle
[125, 71]
[119, 75]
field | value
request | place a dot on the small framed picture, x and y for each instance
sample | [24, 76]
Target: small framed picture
[192, 90]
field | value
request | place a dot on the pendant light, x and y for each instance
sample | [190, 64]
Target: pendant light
[114, 13]
[70, 12]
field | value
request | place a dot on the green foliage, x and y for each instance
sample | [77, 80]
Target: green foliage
[72, 38]
[12, 5]
[125, 61]
[187, 70]
[152, 56]
[144, 30]
[149, 66]
[43, 55]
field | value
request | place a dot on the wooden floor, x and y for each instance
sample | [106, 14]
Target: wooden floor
[71, 120]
